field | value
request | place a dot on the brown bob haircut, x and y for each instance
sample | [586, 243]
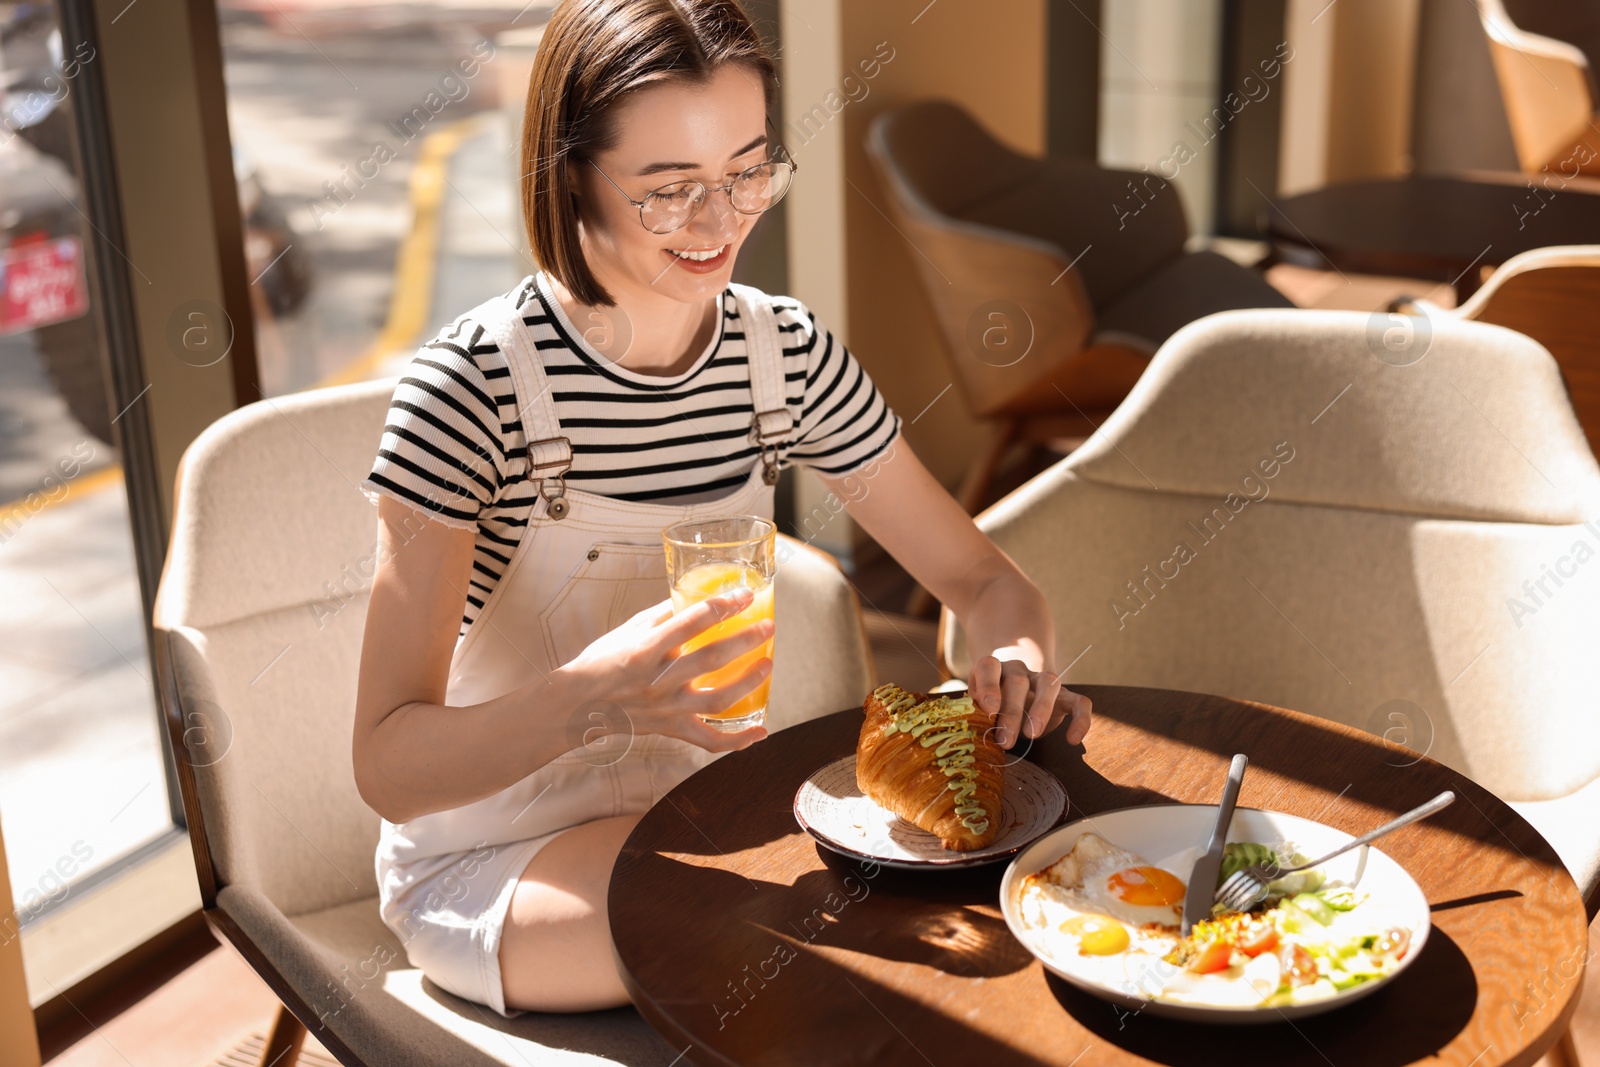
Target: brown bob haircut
[593, 54]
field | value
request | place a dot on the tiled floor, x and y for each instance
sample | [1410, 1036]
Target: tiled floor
[247, 1053]
[192, 1021]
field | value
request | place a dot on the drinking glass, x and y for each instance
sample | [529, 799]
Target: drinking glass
[711, 556]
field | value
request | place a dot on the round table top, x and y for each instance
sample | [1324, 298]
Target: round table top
[745, 942]
[1435, 227]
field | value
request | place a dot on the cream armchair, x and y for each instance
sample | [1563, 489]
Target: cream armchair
[1408, 544]
[258, 624]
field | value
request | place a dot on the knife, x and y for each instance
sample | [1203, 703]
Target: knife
[1203, 879]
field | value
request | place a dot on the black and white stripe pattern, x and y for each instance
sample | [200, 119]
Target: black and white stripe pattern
[454, 445]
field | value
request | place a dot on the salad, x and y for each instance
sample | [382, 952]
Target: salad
[1324, 936]
[1107, 915]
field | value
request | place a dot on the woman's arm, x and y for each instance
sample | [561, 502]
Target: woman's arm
[1009, 629]
[414, 755]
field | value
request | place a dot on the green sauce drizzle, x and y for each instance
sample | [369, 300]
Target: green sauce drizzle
[942, 721]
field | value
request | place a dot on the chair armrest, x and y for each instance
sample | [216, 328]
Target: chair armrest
[1568, 823]
[1553, 257]
[187, 695]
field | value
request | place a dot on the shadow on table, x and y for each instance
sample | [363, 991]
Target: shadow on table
[1388, 1028]
[917, 917]
[1313, 752]
[922, 917]
[874, 1025]
[1476, 898]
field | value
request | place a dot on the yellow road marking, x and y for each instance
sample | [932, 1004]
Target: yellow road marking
[412, 300]
[16, 512]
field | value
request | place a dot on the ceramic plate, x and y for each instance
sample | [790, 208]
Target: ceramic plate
[831, 808]
[1164, 830]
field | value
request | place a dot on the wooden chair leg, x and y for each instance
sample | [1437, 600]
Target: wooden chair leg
[919, 602]
[284, 1041]
[974, 485]
[1565, 1052]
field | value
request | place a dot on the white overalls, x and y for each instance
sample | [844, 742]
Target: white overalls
[584, 565]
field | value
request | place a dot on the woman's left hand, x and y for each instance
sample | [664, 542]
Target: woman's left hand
[1029, 701]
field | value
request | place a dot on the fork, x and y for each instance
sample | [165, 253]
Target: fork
[1248, 886]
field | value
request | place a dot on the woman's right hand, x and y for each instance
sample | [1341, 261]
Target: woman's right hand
[639, 668]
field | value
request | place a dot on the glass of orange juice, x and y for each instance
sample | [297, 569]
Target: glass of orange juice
[711, 556]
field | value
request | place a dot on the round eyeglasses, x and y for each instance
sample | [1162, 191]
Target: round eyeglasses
[674, 206]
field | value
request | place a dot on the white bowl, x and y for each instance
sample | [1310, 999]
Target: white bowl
[1160, 830]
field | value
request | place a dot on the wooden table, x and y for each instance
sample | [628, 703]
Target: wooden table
[745, 942]
[1439, 228]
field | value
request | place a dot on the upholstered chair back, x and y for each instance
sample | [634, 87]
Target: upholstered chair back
[1394, 524]
[1131, 221]
[262, 608]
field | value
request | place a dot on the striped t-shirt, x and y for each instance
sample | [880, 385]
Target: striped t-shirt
[453, 443]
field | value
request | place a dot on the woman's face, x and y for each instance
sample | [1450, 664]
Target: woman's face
[708, 132]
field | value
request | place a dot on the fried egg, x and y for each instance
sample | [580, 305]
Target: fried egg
[1102, 900]
[1113, 881]
[1139, 894]
[1108, 915]
[1097, 935]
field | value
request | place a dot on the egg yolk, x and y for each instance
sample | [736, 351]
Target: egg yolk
[1096, 934]
[1145, 886]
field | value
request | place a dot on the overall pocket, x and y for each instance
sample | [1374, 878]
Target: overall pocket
[614, 582]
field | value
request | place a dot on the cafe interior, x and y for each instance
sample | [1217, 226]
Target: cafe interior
[1262, 335]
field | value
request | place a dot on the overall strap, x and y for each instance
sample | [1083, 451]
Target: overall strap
[549, 450]
[772, 421]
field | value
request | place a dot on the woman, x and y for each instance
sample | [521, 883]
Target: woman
[532, 456]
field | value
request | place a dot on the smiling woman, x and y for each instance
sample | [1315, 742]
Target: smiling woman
[532, 456]
[730, 81]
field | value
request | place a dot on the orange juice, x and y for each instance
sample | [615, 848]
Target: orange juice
[705, 581]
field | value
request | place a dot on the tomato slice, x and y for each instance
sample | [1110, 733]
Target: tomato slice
[1393, 943]
[1262, 939]
[1214, 957]
[1299, 966]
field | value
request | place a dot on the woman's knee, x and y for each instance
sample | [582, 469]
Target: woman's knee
[579, 861]
[555, 952]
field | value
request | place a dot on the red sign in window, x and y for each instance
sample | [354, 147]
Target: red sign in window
[41, 282]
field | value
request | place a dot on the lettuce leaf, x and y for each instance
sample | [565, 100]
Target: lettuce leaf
[1341, 898]
[1237, 855]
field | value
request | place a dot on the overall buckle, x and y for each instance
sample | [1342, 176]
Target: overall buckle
[551, 454]
[766, 429]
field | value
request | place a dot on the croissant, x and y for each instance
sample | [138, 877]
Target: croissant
[931, 762]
